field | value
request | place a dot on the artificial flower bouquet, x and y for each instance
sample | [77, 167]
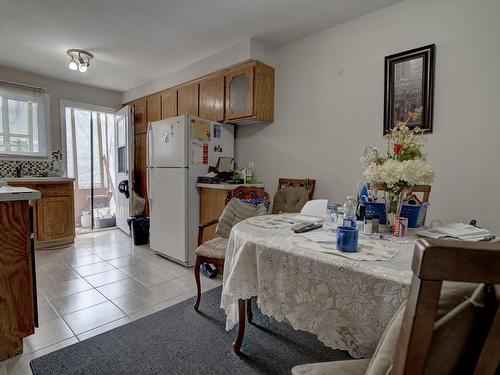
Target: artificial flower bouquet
[399, 168]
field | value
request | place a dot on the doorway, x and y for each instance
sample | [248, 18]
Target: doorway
[91, 160]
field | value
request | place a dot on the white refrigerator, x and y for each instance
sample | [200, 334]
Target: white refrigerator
[179, 150]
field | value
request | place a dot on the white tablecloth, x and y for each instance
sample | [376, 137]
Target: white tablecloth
[346, 303]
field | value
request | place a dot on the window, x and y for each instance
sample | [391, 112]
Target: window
[23, 112]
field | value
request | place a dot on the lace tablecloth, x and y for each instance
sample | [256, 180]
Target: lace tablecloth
[346, 303]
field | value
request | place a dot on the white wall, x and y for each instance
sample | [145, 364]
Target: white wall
[230, 56]
[58, 89]
[329, 104]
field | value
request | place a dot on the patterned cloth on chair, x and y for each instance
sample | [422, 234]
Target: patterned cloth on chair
[234, 212]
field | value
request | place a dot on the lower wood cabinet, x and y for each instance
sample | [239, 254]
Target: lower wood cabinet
[54, 213]
[18, 310]
[54, 218]
[212, 203]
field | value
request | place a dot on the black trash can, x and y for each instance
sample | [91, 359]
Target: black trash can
[139, 226]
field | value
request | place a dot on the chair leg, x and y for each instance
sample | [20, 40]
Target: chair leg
[198, 282]
[249, 311]
[241, 326]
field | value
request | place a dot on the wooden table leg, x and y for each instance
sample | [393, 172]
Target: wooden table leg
[241, 326]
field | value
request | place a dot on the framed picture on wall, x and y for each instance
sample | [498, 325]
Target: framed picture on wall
[409, 88]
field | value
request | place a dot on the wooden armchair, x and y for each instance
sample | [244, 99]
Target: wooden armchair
[421, 338]
[214, 250]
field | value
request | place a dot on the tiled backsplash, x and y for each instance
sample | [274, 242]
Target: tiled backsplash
[30, 167]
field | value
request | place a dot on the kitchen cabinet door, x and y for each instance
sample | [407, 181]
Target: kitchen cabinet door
[168, 103]
[140, 119]
[212, 98]
[17, 307]
[55, 218]
[187, 99]
[153, 108]
[239, 92]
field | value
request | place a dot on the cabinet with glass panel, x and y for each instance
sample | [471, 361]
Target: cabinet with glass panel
[250, 93]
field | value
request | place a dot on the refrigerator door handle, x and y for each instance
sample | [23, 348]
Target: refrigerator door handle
[148, 187]
[149, 153]
[150, 146]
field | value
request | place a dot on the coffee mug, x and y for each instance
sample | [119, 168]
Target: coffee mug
[347, 239]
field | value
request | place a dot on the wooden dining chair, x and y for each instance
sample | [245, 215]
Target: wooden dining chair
[437, 331]
[292, 194]
[243, 203]
[308, 183]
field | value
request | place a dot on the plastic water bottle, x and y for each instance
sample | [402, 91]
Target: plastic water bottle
[350, 212]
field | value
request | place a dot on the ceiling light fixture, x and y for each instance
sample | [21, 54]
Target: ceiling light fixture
[80, 59]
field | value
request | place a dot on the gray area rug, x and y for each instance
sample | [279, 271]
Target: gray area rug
[178, 340]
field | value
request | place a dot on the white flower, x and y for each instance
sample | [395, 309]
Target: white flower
[416, 172]
[392, 172]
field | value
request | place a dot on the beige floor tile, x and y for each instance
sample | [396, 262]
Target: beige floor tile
[83, 260]
[20, 365]
[49, 333]
[108, 247]
[134, 302]
[107, 277]
[93, 317]
[65, 288]
[70, 253]
[46, 311]
[54, 276]
[148, 277]
[113, 254]
[125, 261]
[184, 285]
[104, 328]
[122, 287]
[78, 301]
[93, 269]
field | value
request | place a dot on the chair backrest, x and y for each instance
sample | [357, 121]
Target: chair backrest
[435, 261]
[308, 183]
[425, 190]
[421, 191]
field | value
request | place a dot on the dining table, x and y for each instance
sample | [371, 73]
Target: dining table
[345, 299]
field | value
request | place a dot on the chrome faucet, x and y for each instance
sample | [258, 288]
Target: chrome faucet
[19, 170]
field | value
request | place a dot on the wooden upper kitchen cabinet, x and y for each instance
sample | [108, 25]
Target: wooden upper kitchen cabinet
[250, 93]
[140, 120]
[187, 99]
[153, 108]
[168, 103]
[54, 212]
[212, 98]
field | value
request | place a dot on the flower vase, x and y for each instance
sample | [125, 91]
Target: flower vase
[393, 204]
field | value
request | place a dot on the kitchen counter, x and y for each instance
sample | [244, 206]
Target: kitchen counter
[11, 193]
[228, 186]
[32, 179]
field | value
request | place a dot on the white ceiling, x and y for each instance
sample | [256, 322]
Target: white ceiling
[136, 41]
